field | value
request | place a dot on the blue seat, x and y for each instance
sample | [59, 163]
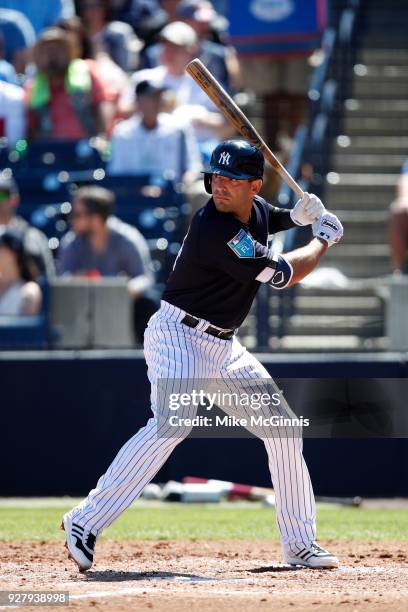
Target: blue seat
[37, 188]
[154, 219]
[28, 332]
[128, 187]
[55, 155]
[163, 254]
[124, 182]
[8, 159]
[152, 204]
[51, 219]
[24, 332]
[161, 217]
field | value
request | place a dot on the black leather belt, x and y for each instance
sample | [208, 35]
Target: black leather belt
[224, 334]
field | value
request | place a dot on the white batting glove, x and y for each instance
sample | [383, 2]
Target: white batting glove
[307, 210]
[328, 228]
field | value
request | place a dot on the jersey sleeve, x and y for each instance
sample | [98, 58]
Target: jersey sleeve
[279, 219]
[236, 252]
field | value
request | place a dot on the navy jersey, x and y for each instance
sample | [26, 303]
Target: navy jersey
[214, 277]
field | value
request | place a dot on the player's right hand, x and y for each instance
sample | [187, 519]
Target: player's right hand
[307, 210]
[328, 228]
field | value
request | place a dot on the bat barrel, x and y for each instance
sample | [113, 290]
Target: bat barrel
[234, 114]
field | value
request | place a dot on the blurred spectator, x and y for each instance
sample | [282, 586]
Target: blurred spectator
[12, 113]
[41, 14]
[66, 98]
[113, 38]
[398, 227]
[191, 104]
[19, 294]
[99, 63]
[150, 17]
[18, 37]
[95, 15]
[132, 11]
[152, 142]
[81, 43]
[203, 16]
[170, 8]
[220, 59]
[101, 244]
[7, 70]
[38, 253]
[121, 44]
[145, 16]
[180, 44]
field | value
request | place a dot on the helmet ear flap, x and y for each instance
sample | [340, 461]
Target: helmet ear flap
[207, 182]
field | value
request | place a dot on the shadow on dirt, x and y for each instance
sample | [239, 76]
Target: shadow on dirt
[273, 568]
[112, 576]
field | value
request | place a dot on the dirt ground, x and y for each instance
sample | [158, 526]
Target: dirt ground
[209, 576]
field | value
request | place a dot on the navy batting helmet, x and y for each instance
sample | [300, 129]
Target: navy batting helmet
[236, 159]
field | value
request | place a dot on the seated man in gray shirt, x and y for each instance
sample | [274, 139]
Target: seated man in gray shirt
[102, 245]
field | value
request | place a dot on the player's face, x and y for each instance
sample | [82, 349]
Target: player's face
[233, 195]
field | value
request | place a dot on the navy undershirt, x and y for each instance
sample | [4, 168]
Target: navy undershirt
[215, 271]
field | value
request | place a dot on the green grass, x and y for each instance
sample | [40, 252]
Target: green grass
[207, 522]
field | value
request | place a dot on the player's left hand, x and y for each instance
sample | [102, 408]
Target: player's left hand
[307, 210]
[328, 228]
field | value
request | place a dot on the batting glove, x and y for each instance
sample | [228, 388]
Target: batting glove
[328, 228]
[307, 210]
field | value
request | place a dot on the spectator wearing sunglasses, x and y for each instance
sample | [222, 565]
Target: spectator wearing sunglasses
[102, 245]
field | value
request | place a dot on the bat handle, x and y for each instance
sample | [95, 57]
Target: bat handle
[280, 169]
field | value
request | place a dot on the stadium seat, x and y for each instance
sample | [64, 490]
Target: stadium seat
[159, 212]
[31, 332]
[38, 189]
[23, 332]
[8, 159]
[55, 155]
[52, 219]
[127, 187]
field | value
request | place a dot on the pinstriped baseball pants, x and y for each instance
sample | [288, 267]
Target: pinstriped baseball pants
[174, 351]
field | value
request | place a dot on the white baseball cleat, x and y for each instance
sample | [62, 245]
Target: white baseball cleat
[80, 543]
[315, 557]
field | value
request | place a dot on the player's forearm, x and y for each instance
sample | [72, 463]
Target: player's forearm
[305, 259]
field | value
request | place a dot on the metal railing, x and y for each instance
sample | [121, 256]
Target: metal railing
[310, 156]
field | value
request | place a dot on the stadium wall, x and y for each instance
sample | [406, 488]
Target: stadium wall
[65, 414]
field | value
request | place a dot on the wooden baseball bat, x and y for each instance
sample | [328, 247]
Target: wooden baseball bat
[260, 493]
[227, 106]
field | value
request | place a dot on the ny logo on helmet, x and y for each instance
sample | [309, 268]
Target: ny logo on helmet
[224, 158]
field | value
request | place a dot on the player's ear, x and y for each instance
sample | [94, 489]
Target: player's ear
[256, 186]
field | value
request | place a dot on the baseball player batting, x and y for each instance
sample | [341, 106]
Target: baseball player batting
[222, 263]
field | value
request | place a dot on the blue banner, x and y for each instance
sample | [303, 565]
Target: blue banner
[276, 27]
